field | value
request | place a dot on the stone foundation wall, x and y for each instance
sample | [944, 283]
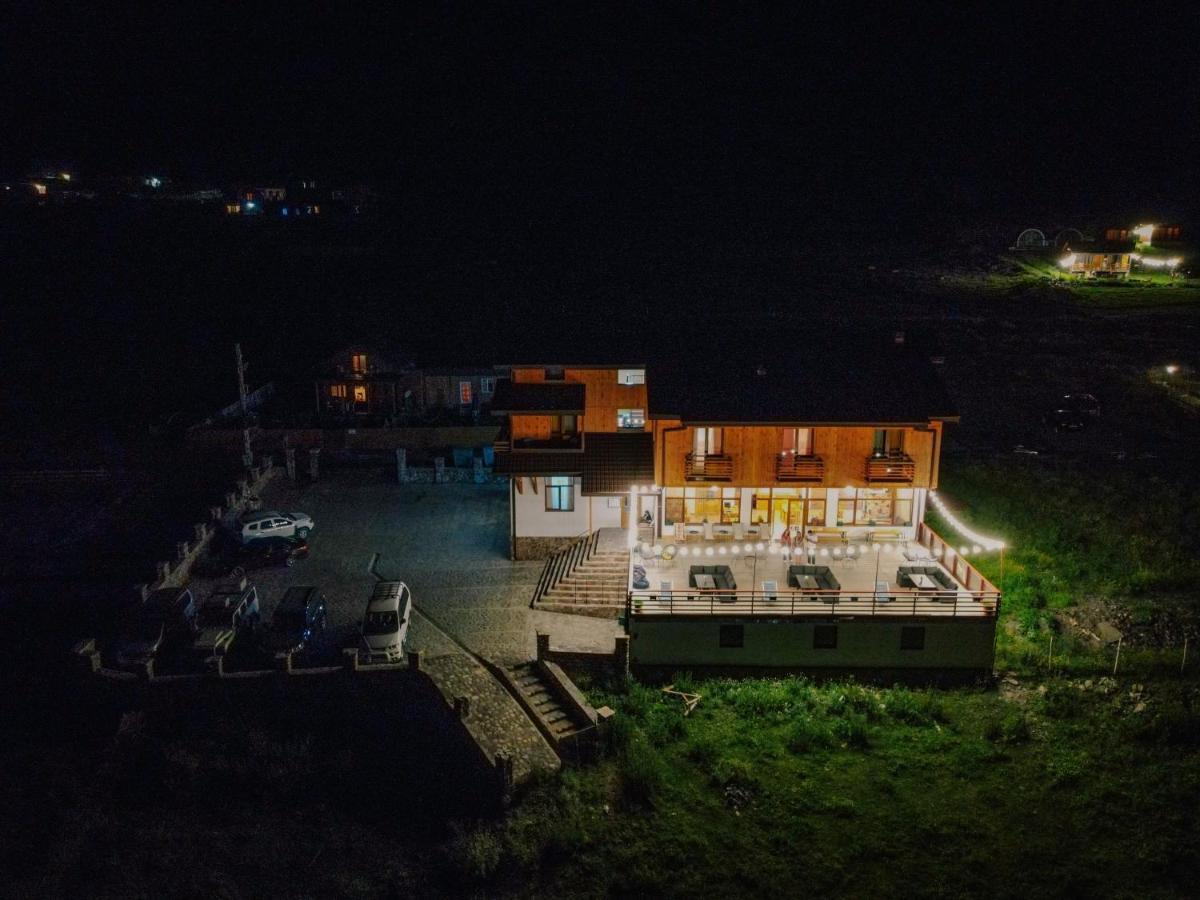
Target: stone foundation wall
[540, 547]
[614, 663]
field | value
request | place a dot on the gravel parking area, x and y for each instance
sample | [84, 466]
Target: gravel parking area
[448, 542]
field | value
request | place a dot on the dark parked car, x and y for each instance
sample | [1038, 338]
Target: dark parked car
[273, 551]
[298, 622]
[167, 616]
[1073, 412]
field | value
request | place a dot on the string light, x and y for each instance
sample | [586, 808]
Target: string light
[983, 542]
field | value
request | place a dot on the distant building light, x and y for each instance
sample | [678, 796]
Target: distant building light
[250, 204]
[1172, 369]
[1067, 261]
[1144, 233]
[39, 189]
[65, 176]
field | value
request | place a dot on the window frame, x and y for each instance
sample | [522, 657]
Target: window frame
[713, 439]
[631, 377]
[731, 637]
[558, 493]
[466, 394]
[487, 385]
[359, 363]
[640, 416]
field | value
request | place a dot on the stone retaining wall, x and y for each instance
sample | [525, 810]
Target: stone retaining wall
[539, 547]
[612, 664]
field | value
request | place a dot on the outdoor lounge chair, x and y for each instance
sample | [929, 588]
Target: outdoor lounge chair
[770, 591]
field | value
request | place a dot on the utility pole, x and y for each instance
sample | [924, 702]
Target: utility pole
[247, 453]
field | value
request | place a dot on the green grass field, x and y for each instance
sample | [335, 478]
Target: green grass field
[1145, 289]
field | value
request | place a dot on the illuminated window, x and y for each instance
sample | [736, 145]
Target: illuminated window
[875, 506]
[887, 441]
[560, 494]
[797, 442]
[360, 393]
[565, 425]
[631, 376]
[631, 418]
[358, 363]
[337, 390]
[707, 441]
[464, 393]
[702, 504]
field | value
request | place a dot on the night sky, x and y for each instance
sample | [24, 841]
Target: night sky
[866, 113]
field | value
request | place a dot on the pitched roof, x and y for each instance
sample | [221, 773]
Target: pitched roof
[823, 377]
[533, 462]
[613, 462]
[549, 398]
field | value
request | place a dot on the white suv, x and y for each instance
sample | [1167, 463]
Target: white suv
[385, 623]
[270, 523]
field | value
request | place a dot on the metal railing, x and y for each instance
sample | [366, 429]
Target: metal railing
[908, 602]
[892, 468]
[790, 467]
[709, 467]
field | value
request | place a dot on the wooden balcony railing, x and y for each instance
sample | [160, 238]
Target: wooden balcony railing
[808, 469]
[892, 468]
[711, 467]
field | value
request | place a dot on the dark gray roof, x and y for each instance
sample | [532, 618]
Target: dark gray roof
[550, 398]
[613, 462]
[823, 377]
[535, 462]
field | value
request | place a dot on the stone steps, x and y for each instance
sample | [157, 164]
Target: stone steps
[545, 705]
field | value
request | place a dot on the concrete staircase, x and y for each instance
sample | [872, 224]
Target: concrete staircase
[561, 722]
[585, 579]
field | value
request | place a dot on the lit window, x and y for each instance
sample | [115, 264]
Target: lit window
[797, 442]
[560, 494]
[707, 441]
[337, 390]
[564, 425]
[631, 376]
[464, 393]
[360, 393]
[358, 363]
[631, 418]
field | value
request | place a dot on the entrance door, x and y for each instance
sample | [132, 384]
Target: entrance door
[785, 512]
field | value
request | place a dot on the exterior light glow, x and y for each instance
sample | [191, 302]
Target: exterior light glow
[984, 542]
[963, 551]
[976, 549]
[1172, 369]
[760, 546]
[708, 551]
[683, 551]
[1144, 233]
[1067, 261]
[722, 551]
[749, 548]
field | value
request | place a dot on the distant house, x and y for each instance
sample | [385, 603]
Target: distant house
[1146, 234]
[359, 381]
[1098, 260]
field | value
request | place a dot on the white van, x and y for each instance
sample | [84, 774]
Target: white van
[385, 623]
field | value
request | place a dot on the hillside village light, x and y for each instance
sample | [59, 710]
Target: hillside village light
[1155, 262]
[1144, 233]
[1172, 369]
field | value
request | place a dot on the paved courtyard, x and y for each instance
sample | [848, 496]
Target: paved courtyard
[448, 542]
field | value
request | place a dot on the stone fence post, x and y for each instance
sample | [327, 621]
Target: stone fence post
[543, 646]
[290, 462]
[401, 465]
[314, 454]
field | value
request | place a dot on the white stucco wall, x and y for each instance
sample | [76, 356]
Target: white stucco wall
[534, 520]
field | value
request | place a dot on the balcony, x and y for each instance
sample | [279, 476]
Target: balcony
[506, 443]
[710, 467]
[799, 469]
[891, 468]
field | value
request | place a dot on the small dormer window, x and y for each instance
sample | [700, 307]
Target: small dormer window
[631, 376]
[358, 363]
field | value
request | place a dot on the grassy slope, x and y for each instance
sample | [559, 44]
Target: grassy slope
[775, 788]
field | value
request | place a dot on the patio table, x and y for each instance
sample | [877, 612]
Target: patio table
[706, 582]
[924, 582]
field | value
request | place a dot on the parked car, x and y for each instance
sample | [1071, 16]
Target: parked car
[270, 523]
[298, 621]
[268, 552]
[229, 611]
[166, 616]
[1084, 404]
[385, 623]
[1065, 419]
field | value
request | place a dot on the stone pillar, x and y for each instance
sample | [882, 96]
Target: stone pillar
[401, 465]
[314, 454]
[181, 550]
[439, 470]
[543, 646]
[351, 655]
[283, 662]
[415, 659]
[621, 654]
[504, 776]
[200, 529]
[164, 571]
[216, 513]
[231, 500]
[477, 473]
[289, 456]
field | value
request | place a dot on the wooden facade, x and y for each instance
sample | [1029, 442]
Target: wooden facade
[753, 455]
[605, 398]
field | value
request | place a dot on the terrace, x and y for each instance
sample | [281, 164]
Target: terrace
[925, 577]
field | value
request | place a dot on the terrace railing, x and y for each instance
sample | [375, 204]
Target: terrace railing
[953, 561]
[790, 467]
[709, 467]
[894, 602]
[892, 468]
